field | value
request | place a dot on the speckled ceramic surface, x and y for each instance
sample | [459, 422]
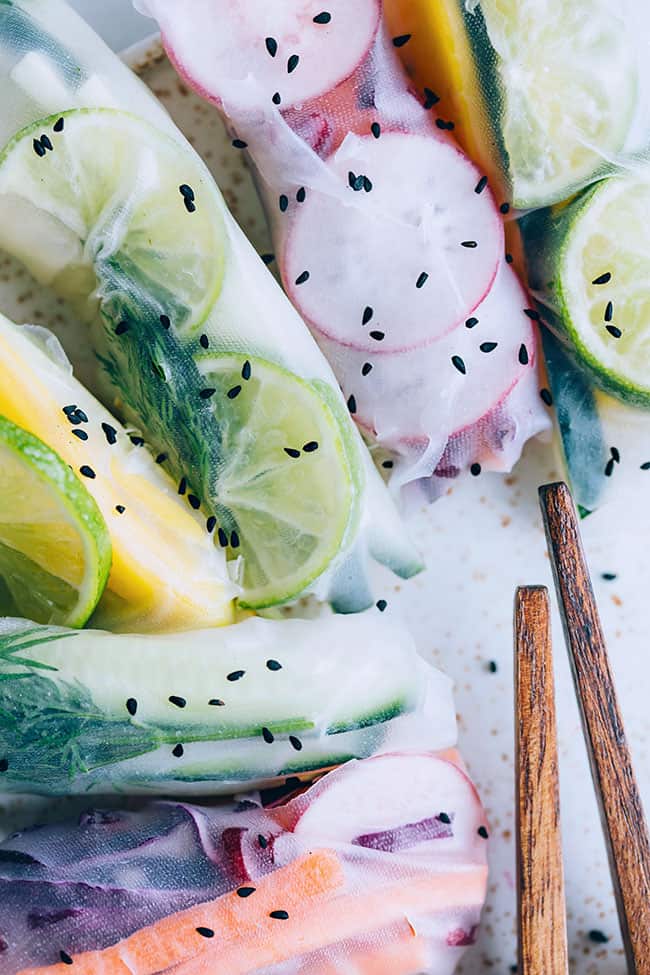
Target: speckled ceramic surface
[480, 541]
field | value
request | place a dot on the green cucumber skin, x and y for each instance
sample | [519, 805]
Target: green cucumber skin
[58, 741]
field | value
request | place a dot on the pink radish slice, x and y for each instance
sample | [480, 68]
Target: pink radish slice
[394, 793]
[412, 398]
[297, 50]
[401, 260]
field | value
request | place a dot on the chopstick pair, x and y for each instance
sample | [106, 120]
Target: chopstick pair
[543, 948]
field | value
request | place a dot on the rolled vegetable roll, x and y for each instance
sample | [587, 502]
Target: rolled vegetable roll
[380, 867]
[210, 710]
[103, 200]
[389, 240]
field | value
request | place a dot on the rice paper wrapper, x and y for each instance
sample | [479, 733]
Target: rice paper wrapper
[378, 867]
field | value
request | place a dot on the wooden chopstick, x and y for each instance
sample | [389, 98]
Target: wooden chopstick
[540, 874]
[622, 816]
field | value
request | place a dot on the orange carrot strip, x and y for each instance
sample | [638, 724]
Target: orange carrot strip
[405, 956]
[341, 918]
[232, 918]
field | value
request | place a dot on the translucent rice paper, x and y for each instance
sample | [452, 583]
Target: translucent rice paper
[139, 304]
[388, 240]
[378, 868]
[211, 711]
[552, 99]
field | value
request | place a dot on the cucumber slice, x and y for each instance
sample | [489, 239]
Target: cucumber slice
[296, 695]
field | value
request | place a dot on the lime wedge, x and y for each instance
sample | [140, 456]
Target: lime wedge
[603, 241]
[285, 485]
[95, 202]
[567, 90]
[55, 549]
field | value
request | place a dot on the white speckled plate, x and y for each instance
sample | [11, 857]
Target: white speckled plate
[480, 541]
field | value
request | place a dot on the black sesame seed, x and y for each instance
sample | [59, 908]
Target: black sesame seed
[235, 675]
[598, 937]
[401, 40]
[271, 46]
[310, 446]
[186, 191]
[609, 311]
[4, 764]
[207, 392]
[178, 751]
[322, 18]
[614, 331]
[120, 509]
[80, 434]
[132, 706]
[448, 126]
[301, 195]
[616, 454]
[283, 202]
[367, 315]
[234, 392]
[423, 277]
[375, 128]
[178, 702]
[182, 485]
[268, 736]
[608, 576]
[216, 702]
[509, 258]
[190, 205]
[136, 441]
[352, 404]
[58, 125]
[121, 328]
[492, 666]
[430, 98]
[245, 891]
[165, 321]
[205, 932]
[234, 539]
[273, 665]
[505, 208]
[204, 341]
[377, 335]
[65, 957]
[302, 277]
[295, 743]
[45, 141]
[387, 465]
[645, 466]
[444, 818]
[603, 278]
[262, 840]
[110, 433]
[459, 364]
[523, 355]
[514, 969]
[38, 148]
[352, 179]
[532, 313]
[246, 371]
[279, 915]
[482, 183]
[482, 832]
[468, 243]
[68, 410]
[475, 469]
[239, 144]
[357, 182]
[609, 467]
[381, 605]
[223, 538]
[87, 472]
[194, 501]
[277, 98]
[211, 524]
[367, 185]
[488, 346]
[292, 452]
[366, 368]
[471, 322]
[292, 63]
[547, 396]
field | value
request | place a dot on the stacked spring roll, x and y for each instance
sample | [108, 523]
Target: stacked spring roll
[104, 201]
[553, 99]
[377, 869]
[389, 240]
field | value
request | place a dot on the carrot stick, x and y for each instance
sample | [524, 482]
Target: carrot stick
[405, 956]
[347, 916]
[231, 918]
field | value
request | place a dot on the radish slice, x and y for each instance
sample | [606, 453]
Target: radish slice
[395, 798]
[403, 253]
[293, 50]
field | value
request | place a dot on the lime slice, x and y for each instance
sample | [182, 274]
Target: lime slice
[602, 285]
[568, 90]
[96, 202]
[55, 550]
[284, 488]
